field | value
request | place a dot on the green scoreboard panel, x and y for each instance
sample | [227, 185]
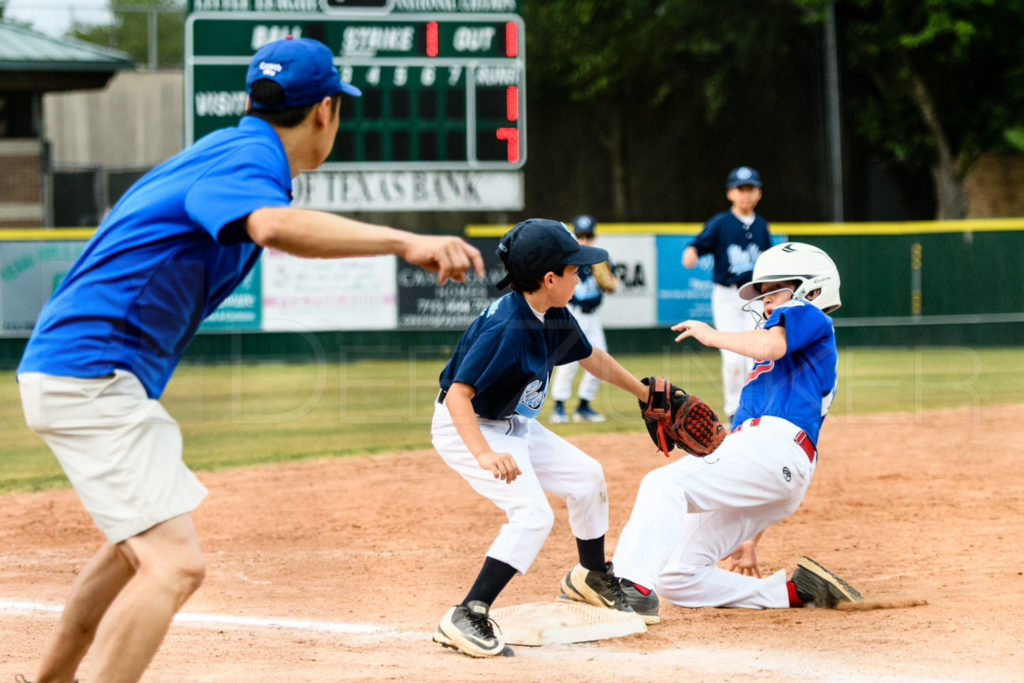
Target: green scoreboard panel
[440, 91]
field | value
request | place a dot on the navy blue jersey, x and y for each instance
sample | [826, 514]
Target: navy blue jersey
[800, 386]
[507, 354]
[735, 246]
[162, 260]
[587, 294]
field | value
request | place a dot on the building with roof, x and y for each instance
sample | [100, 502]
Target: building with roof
[31, 65]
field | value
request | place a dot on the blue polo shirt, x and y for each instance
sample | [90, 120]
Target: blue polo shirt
[163, 259]
[507, 354]
[801, 385]
[735, 245]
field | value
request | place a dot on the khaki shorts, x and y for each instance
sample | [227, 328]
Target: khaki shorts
[119, 449]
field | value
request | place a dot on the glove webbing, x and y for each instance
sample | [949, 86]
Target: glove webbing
[699, 422]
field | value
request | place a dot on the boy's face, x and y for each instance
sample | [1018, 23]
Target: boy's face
[564, 286]
[744, 197]
[774, 294]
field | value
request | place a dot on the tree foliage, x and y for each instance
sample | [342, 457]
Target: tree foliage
[599, 50]
[932, 84]
[130, 31]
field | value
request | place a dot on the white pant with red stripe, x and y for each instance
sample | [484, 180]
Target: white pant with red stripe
[692, 513]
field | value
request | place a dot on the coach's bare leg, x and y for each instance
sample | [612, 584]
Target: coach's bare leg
[94, 589]
[169, 568]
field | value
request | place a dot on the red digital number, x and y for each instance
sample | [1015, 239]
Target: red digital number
[431, 38]
[511, 136]
[512, 103]
[511, 39]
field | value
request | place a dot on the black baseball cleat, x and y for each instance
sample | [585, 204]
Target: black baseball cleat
[470, 630]
[644, 601]
[818, 587]
[600, 589]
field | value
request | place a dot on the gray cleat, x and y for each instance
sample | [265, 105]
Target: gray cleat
[818, 587]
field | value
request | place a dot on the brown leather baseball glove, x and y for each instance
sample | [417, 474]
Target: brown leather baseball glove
[675, 418]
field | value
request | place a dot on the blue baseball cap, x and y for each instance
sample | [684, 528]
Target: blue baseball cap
[744, 175]
[303, 67]
[539, 246]
[584, 225]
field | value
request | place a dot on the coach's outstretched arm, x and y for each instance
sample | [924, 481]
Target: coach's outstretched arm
[318, 234]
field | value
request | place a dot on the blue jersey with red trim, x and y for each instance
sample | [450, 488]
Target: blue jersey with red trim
[800, 386]
[507, 355]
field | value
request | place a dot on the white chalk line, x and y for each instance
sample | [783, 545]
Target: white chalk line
[810, 665]
[28, 607]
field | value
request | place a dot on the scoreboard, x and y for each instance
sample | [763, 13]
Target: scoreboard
[441, 91]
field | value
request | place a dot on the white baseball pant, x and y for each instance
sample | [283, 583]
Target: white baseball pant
[692, 513]
[548, 463]
[562, 375]
[728, 316]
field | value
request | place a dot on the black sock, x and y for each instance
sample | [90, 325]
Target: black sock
[592, 553]
[491, 580]
[560, 404]
[584, 404]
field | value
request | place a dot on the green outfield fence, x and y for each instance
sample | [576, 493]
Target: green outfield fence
[907, 284]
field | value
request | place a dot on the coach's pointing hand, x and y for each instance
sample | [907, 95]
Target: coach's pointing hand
[448, 256]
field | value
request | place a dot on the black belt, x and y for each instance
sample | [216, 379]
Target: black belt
[441, 395]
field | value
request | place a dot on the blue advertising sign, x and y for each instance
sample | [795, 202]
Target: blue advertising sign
[685, 293]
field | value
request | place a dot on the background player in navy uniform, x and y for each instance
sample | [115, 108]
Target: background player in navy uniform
[736, 238]
[484, 428]
[595, 282]
[106, 343]
[693, 512]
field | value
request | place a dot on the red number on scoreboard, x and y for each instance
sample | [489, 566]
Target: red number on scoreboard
[511, 136]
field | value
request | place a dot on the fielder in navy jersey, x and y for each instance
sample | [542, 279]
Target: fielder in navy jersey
[484, 428]
[106, 343]
[696, 511]
[735, 238]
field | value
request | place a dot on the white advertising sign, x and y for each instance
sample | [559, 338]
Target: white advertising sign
[329, 190]
[328, 294]
[634, 260]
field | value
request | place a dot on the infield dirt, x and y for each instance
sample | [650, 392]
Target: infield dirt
[921, 513]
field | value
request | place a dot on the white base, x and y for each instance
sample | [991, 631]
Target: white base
[551, 623]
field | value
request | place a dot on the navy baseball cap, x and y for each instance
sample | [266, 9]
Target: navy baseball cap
[744, 175]
[303, 67]
[539, 246]
[584, 225]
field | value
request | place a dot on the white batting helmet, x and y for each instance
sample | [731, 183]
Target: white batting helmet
[807, 264]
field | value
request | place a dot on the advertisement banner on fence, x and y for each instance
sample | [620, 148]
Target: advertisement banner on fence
[685, 293]
[327, 294]
[424, 304]
[634, 263]
[29, 273]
